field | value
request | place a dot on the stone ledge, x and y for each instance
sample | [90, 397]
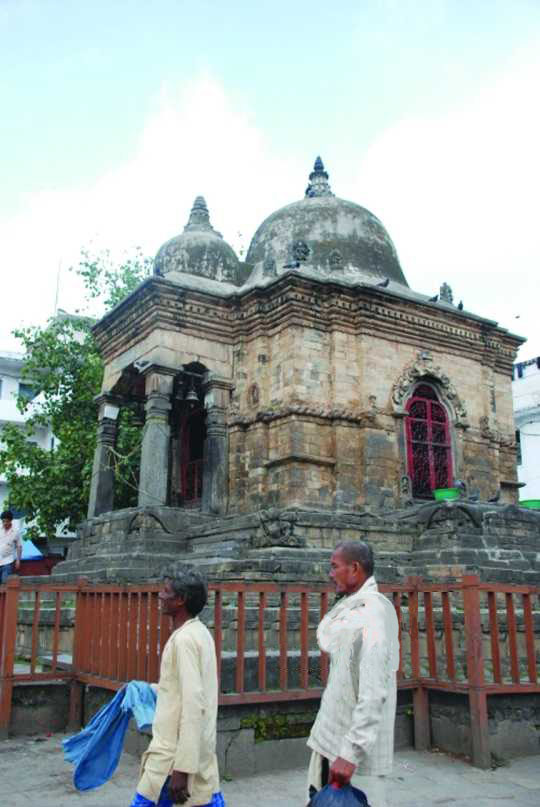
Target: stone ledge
[304, 458]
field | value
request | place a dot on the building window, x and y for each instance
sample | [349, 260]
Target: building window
[27, 391]
[518, 447]
[429, 450]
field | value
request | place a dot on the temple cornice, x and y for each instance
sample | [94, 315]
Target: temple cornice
[293, 300]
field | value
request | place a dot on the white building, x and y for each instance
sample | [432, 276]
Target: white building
[526, 393]
[11, 386]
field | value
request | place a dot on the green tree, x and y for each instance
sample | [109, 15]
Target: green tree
[65, 370]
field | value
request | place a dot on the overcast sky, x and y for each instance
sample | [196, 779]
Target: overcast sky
[115, 115]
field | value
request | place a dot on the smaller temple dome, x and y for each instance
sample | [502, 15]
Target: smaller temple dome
[199, 250]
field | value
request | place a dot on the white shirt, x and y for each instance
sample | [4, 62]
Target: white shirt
[184, 728]
[9, 541]
[358, 707]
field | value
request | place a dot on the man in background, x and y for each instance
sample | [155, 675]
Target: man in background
[354, 729]
[10, 546]
[180, 765]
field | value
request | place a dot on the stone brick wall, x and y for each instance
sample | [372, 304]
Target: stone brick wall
[514, 724]
[314, 417]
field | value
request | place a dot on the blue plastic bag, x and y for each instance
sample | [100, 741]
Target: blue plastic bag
[164, 800]
[95, 751]
[347, 796]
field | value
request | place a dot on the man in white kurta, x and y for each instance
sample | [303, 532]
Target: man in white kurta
[183, 745]
[354, 729]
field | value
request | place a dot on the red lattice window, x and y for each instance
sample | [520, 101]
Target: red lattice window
[429, 450]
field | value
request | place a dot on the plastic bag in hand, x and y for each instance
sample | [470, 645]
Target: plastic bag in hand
[347, 796]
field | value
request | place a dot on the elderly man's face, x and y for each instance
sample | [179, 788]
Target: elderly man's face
[347, 576]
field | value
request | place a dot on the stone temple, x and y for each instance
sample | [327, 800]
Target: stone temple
[305, 396]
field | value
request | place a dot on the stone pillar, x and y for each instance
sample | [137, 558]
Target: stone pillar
[101, 498]
[154, 473]
[215, 495]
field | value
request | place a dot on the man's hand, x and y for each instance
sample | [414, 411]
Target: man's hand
[341, 772]
[17, 564]
[178, 792]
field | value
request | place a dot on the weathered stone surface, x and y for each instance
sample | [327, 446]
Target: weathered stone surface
[498, 542]
[513, 724]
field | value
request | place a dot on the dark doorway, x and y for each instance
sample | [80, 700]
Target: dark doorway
[188, 436]
[192, 437]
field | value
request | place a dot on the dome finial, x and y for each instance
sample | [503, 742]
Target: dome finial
[199, 218]
[318, 181]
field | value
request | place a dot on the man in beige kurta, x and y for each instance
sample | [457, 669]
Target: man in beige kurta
[354, 729]
[182, 753]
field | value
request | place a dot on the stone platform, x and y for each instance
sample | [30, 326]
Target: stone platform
[500, 543]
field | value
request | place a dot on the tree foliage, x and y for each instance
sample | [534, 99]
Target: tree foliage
[51, 484]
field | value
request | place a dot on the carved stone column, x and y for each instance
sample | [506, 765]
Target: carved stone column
[215, 495]
[101, 498]
[154, 473]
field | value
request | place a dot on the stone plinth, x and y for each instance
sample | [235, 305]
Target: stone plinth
[436, 541]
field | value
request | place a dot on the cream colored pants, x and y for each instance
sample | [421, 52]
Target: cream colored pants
[373, 786]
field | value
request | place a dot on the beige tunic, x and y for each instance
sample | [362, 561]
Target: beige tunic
[358, 707]
[184, 728]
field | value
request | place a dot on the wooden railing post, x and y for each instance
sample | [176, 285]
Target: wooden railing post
[481, 756]
[422, 729]
[8, 641]
[76, 691]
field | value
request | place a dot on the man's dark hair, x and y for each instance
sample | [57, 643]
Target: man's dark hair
[190, 585]
[360, 552]
[6, 514]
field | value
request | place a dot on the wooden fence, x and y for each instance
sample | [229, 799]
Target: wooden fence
[466, 637]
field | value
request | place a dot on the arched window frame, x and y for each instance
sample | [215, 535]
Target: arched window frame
[423, 368]
[438, 437]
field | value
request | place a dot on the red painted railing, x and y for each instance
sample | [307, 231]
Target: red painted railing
[469, 637]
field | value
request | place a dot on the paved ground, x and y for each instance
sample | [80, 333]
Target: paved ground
[34, 774]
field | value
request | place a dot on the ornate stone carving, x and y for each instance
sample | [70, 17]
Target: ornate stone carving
[446, 294]
[452, 511]
[328, 413]
[300, 251]
[318, 181]
[424, 368]
[146, 521]
[277, 529]
[405, 488]
[486, 431]
[335, 260]
[199, 218]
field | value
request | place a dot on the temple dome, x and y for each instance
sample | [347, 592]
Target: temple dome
[199, 250]
[325, 236]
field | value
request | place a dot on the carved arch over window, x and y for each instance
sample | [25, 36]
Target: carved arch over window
[424, 369]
